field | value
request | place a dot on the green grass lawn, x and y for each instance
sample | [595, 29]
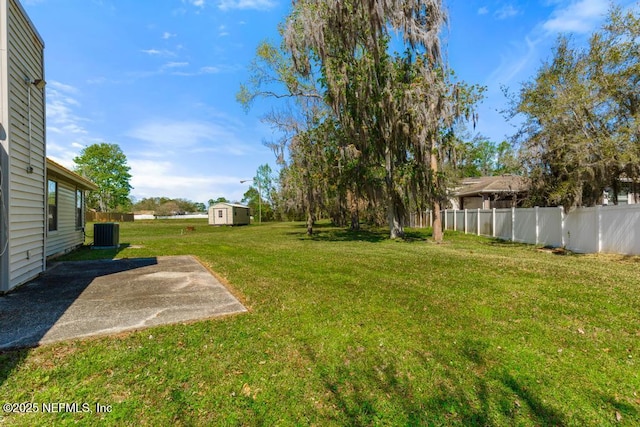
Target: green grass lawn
[354, 329]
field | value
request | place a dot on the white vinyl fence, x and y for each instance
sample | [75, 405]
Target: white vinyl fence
[601, 229]
[187, 216]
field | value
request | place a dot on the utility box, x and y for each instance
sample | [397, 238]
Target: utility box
[106, 235]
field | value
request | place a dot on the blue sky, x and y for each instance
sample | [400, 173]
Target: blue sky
[159, 78]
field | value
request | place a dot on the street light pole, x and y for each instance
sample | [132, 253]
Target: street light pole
[259, 198]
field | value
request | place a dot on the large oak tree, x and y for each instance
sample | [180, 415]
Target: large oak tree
[581, 128]
[106, 165]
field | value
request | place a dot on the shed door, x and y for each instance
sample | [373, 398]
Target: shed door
[221, 216]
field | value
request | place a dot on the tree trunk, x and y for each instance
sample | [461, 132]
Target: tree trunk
[394, 215]
[310, 222]
[437, 223]
[352, 200]
[311, 206]
[396, 228]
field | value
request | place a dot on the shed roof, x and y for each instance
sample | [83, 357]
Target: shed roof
[493, 184]
[59, 170]
[233, 205]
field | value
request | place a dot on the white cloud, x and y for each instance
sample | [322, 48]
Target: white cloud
[66, 127]
[483, 10]
[98, 81]
[60, 105]
[195, 136]
[167, 35]
[580, 16]
[246, 4]
[179, 68]
[209, 69]
[509, 68]
[62, 87]
[151, 178]
[507, 11]
[197, 3]
[156, 52]
[175, 65]
[222, 31]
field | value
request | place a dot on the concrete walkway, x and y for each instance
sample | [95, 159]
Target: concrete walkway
[85, 298]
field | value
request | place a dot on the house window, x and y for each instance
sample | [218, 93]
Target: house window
[79, 205]
[220, 213]
[52, 197]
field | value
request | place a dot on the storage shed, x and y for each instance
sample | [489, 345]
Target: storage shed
[23, 192]
[229, 214]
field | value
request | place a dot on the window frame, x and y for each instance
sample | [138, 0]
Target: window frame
[52, 209]
[79, 208]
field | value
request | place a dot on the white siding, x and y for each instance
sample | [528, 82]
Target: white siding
[214, 214]
[23, 167]
[66, 237]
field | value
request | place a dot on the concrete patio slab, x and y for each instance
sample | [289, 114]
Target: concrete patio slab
[75, 299]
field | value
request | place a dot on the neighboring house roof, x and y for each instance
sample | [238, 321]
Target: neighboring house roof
[61, 171]
[508, 184]
[233, 205]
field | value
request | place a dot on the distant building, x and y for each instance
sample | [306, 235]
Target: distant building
[628, 193]
[488, 192]
[229, 214]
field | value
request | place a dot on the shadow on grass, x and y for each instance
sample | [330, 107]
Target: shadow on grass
[362, 395]
[88, 253]
[500, 243]
[372, 388]
[371, 235]
[626, 410]
[10, 361]
[542, 413]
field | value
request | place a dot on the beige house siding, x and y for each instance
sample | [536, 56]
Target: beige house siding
[68, 235]
[22, 157]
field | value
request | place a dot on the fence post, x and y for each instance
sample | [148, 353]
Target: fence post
[478, 224]
[493, 222]
[465, 221]
[599, 226]
[562, 218]
[445, 220]
[430, 218]
[513, 224]
[537, 225]
[455, 220]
